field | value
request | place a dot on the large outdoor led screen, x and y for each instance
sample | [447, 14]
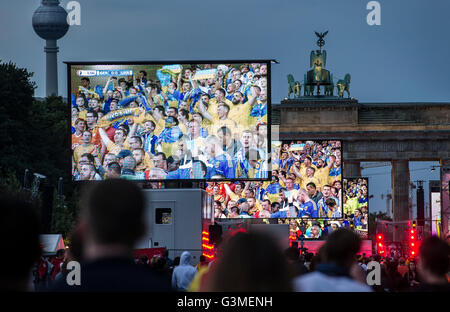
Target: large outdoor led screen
[306, 183]
[170, 121]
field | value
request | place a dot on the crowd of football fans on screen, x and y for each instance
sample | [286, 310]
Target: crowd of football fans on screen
[183, 122]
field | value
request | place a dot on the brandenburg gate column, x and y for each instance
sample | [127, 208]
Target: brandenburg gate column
[400, 190]
[352, 169]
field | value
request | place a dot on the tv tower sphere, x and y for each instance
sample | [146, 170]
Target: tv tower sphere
[50, 20]
[50, 23]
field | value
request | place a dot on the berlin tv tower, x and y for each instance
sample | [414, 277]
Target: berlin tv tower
[50, 23]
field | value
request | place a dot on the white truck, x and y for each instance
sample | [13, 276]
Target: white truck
[176, 219]
[179, 220]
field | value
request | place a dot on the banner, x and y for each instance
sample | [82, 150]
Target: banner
[118, 115]
[171, 69]
[297, 147]
[205, 74]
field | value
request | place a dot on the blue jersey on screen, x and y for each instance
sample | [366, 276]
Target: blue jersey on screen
[308, 209]
[220, 165]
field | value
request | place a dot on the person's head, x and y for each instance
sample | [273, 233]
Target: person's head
[244, 207]
[266, 205]
[230, 204]
[194, 128]
[234, 212]
[238, 98]
[86, 158]
[310, 172]
[251, 201]
[263, 95]
[128, 163]
[114, 104]
[246, 139]
[173, 163]
[109, 158]
[239, 187]
[231, 88]
[222, 110]
[85, 82]
[357, 213]
[81, 101]
[341, 247]
[149, 126]
[113, 170]
[19, 217]
[219, 94]
[204, 98]
[412, 265]
[217, 204]
[199, 169]
[334, 226]
[224, 135]
[86, 137]
[172, 111]
[80, 125]
[183, 116]
[434, 260]
[138, 155]
[315, 231]
[290, 184]
[87, 172]
[311, 188]
[159, 112]
[120, 136]
[94, 104]
[112, 215]
[160, 160]
[91, 118]
[303, 196]
[275, 206]
[135, 142]
[326, 191]
[260, 265]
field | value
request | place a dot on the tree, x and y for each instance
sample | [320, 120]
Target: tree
[34, 135]
[16, 94]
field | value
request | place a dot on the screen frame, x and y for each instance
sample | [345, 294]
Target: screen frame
[268, 62]
[368, 196]
[309, 218]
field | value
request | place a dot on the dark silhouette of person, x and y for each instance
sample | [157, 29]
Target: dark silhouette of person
[19, 237]
[112, 220]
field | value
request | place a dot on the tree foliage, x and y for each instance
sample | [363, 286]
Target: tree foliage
[34, 135]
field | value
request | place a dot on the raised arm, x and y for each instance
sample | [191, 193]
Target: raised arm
[202, 109]
[133, 127]
[255, 95]
[296, 171]
[105, 139]
[106, 86]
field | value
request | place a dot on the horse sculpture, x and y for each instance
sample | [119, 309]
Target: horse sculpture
[294, 86]
[344, 85]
